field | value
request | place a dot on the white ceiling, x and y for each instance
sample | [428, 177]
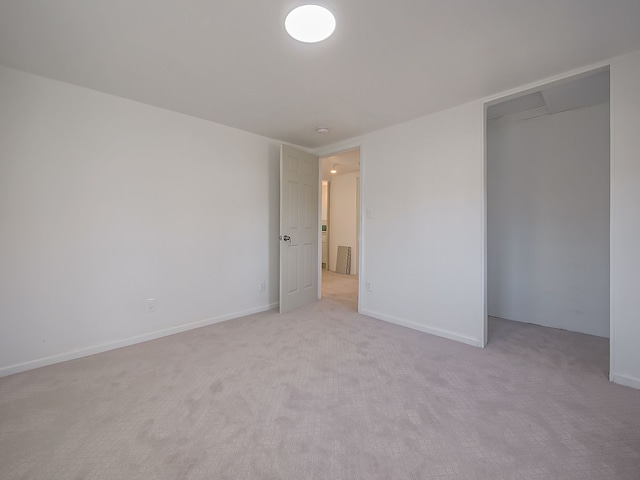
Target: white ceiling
[388, 62]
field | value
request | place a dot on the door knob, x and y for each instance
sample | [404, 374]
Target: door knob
[286, 238]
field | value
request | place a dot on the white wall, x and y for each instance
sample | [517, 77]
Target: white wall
[625, 220]
[423, 186]
[105, 202]
[343, 218]
[548, 220]
[423, 248]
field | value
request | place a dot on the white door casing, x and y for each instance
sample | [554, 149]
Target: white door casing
[299, 181]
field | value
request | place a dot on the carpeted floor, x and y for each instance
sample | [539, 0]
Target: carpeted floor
[325, 393]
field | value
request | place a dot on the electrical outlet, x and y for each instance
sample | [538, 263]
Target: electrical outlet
[151, 305]
[262, 287]
[369, 212]
[369, 287]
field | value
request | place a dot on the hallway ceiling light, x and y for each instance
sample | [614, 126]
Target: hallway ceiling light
[310, 23]
[333, 170]
[322, 130]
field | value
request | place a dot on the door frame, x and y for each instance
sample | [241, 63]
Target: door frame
[334, 150]
[523, 90]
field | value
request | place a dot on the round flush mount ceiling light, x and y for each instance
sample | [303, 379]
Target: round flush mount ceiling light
[322, 130]
[310, 23]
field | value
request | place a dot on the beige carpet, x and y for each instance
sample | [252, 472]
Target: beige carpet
[324, 393]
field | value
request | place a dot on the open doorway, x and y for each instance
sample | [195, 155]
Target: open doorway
[341, 226]
[548, 182]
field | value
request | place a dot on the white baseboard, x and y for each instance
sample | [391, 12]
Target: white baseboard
[87, 351]
[423, 328]
[625, 380]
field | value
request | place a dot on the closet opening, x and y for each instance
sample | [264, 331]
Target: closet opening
[547, 198]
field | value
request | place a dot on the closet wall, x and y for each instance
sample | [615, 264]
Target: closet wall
[548, 220]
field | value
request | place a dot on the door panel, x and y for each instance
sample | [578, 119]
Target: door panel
[308, 265]
[293, 253]
[299, 180]
[293, 206]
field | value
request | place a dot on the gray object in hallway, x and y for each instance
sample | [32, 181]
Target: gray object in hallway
[326, 393]
[343, 260]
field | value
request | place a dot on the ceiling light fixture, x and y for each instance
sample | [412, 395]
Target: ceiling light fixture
[322, 130]
[333, 170]
[310, 23]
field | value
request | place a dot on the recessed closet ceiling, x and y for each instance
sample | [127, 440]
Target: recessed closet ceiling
[387, 62]
[584, 91]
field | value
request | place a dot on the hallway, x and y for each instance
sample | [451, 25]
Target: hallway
[340, 288]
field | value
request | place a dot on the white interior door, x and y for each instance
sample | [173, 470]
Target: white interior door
[299, 180]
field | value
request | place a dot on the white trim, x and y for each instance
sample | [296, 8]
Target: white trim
[533, 86]
[475, 342]
[85, 352]
[499, 97]
[320, 180]
[625, 380]
[362, 228]
[339, 147]
[335, 149]
[612, 223]
[484, 332]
